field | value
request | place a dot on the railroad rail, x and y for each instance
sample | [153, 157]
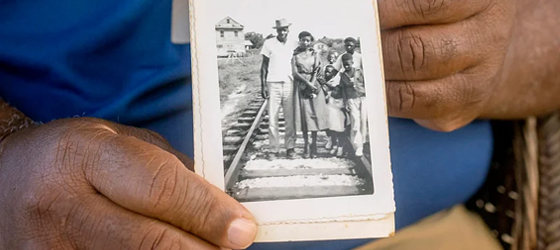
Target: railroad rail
[250, 177]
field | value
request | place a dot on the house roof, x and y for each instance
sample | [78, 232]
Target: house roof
[248, 43]
[223, 24]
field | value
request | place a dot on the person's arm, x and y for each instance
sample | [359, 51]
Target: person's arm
[359, 81]
[346, 80]
[298, 76]
[344, 98]
[316, 68]
[264, 75]
[360, 61]
[331, 83]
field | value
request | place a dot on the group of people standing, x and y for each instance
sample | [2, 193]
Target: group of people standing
[313, 97]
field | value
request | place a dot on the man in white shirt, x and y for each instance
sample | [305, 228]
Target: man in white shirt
[350, 46]
[277, 86]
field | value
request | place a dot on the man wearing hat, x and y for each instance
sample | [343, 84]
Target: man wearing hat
[278, 87]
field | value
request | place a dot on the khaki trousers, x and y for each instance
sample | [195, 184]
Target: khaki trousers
[358, 121]
[281, 95]
[454, 229]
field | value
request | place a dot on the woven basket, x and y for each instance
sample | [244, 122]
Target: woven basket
[520, 200]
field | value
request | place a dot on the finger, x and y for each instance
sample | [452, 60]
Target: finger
[443, 125]
[431, 52]
[399, 13]
[451, 102]
[156, 139]
[148, 180]
[93, 222]
[147, 136]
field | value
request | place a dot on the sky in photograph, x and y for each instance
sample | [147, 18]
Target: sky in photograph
[331, 18]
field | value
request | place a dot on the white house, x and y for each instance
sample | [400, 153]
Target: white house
[230, 37]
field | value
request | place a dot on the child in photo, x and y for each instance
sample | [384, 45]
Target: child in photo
[352, 81]
[350, 45]
[337, 114]
[331, 60]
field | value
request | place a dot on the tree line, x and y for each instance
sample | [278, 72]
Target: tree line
[258, 40]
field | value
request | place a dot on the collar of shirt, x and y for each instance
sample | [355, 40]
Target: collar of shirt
[280, 59]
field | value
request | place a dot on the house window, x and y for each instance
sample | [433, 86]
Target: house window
[222, 33]
[228, 21]
[236, 33]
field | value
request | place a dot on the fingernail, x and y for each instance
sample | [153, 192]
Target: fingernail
[241, 233]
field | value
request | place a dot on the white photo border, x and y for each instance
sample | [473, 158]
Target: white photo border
[364, 216]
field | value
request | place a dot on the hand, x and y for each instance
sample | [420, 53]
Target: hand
[91, 184]
[264, 91]
[312, 87]
[443, 59]
[316, 90]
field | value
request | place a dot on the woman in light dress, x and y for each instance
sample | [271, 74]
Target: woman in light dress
[311, 112]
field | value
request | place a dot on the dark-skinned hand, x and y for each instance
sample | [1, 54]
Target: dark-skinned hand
[90, 184]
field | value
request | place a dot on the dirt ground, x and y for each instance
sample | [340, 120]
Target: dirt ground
[239, 82]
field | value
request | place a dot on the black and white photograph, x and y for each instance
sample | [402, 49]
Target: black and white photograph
[293, 110]
[293, 95]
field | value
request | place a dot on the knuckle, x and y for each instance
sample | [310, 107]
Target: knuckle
[156, 239]
[471, 92]
[403, 98]
[201, 206]
[163, 238]
[425, 8]
[412, 51]
[165, 187]
[80, 148]
[447, 49]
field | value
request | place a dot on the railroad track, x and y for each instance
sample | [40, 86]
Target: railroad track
[250, 177]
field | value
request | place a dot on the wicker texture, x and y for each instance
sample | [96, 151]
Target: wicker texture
[548, 224]
[527, 178]
[520, 200]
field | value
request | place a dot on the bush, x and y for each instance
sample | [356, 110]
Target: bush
[256, 38]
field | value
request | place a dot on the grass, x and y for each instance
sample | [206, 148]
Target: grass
[240, 79]
[234, 74]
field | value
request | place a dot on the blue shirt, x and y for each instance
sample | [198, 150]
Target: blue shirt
[113, 60]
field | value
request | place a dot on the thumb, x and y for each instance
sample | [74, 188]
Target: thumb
[143, 178]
